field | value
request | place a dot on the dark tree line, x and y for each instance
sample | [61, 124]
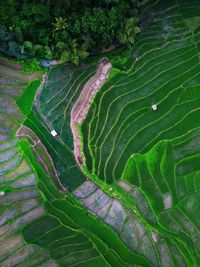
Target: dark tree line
[66, 29]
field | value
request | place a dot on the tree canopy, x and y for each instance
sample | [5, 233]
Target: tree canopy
[66, 29]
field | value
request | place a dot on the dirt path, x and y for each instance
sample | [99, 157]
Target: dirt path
[80, 108]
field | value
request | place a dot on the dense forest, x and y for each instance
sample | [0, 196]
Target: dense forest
[69, 30]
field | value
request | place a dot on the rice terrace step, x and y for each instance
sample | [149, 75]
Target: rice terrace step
[100, 148]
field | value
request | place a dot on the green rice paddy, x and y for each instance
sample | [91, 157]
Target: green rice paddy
[136, 199]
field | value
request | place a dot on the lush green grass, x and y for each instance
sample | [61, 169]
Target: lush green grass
[155, 187]
[25, 101]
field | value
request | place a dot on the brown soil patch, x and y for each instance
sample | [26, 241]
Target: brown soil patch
[80, 108]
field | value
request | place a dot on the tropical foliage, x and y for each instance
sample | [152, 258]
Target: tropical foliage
[66, 30]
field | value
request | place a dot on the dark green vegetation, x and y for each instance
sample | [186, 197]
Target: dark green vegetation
[141, 205]
[26, 99]
[66, 30]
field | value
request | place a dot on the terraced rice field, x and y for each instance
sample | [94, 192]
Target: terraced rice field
[20, 201]
[134, 199]
[39, 226]
[154, 155]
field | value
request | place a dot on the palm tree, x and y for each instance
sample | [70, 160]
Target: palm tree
[60, 24]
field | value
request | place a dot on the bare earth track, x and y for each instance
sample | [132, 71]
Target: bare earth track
[80, 108]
